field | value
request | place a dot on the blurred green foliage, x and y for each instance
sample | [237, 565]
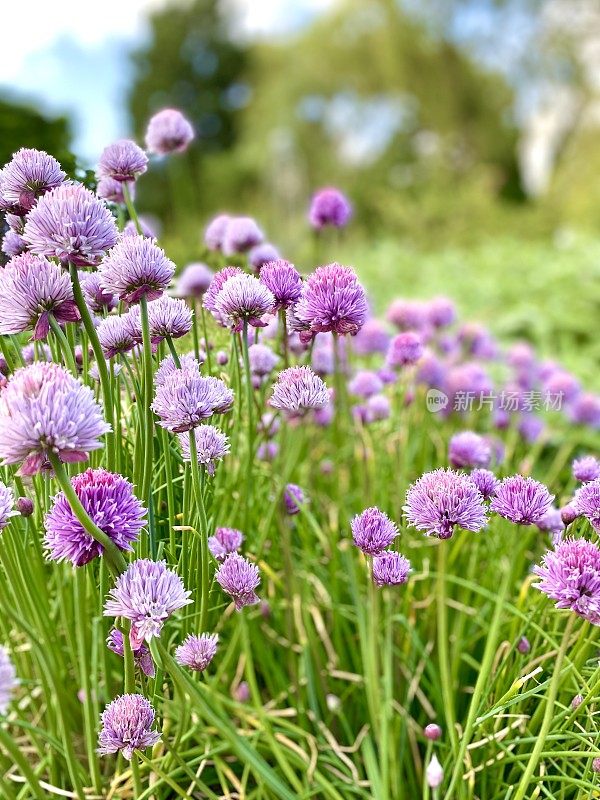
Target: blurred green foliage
[24, 126]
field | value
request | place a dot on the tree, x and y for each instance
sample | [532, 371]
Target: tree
[22, 126]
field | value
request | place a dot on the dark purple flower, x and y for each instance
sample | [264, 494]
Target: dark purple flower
[405, 349]
[31, 290]
[25, 506]
[136, 267]
[96, 296]
[8, 680]
[186, 398]
[485, 481]
[365, 384]
[586, 469]
[215, 231]
[110, 503]
[293, 499]
[373, 337]
[70, 223]
[224, 542]
[112, 190]
[521, 500]
[122, 161]
[333, 300]
[44, 408]
[169, 317]
[240, 234]
[211, 446]
[27, 176]
[373, 531]
[468, 449]
[147, 593]
[407, 314]
[239, 578]
[13, 244]
[168, 132]
[127, 726]
[570, 575]
[196, 652]
[587, 502]
[261, 254]
[329, 207]
[141, 656]
[283, 281]
[243, 299]
[194, 280]
[299, 390]
[443, 499]
[390, 569]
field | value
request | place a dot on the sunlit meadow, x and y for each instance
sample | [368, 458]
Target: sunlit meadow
[257, 542]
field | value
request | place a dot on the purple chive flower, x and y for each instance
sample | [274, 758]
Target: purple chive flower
[521, 500]
[71, 224]
[299, 390]
[293, 499]
[378, 407]
[587, 503]
[585, 410]
[115, 336]
[31, 290]
[468, 449]
[329, 207]
[7, 505]
[570, 575]
[373, 337]
[136, 267]
[238, 578]
[186, 398]
[262, 359]
[432, 732]
[28, 175]
[365, 384]
[552, 523]
[110, 503]
[112, 190]
[122, 161]
[168, 132]
[194, 280]
[407, 314]
[431, 371]
[440, 311]
[167, 367]
[485, 481]
[147, 225]
[283, 281]
[25, 506]
[127, 726]
[243, 299]
[596, 765]
[147, 593]
[211, 446]
[523, 645]
[218, 282]
[45, 409]
[478, 341]
[333, 300]
[224, 542]
[242, 694]
[8, 680]
[196, 652]
[561, 385]
[96, 296]
[169, 317]
[443, 499]
[36, 351]
[406, 348]
[576, 701]
[267, 451]
[261, 254]
[569, 513]
[215, 231]
[141, 656]
[531, 427]
[390, 568]
[13, 244]
[240, 234]
[373, 531]
[586, 469]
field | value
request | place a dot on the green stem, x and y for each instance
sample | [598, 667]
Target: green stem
[63, 343]
[197, 481]
[135, 771]
[442, 645]
[251, 425]
[7, 742]
[131, 208]
[173, 352]
[284, 337]
[148, 428]
[205, 334]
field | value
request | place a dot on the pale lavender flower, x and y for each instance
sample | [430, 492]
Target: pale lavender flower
[443, 499]
[136, 267]
[96, 296]
[267, 451]
[215, 231]
[27, 176]
[552, 523]
[478, 341]
[576, 701]
[142, 657]
[211, 446]
[70, 223]
[8, 680]
[243, 299]
[440, 311]
[168, 132]
[485, 481]
[186, 398]
[293, 499]
[261, 254]
[283, 281]
[45, 409]
[329, 207]
[218, 282]
[521, 500]
[7, 505]
[122, 161]
[168, 367]
[112, 190]
[194, 280]
[586, 469]
[373, 531]
[242, 694]
[13, 244]
[373, 337]
[127, 726]
[222, 358]
[333, 300]
[241, 233]
[407, 314]
[561, 385]
[262, 359]
[239, 578]
[170, 317]
[147, 593]
[196, 652]
[31, 290]
[147, 228]
[224, 542]
[587, 502]
[585, 410]
[570, 575]
[365, 384]
[531, 427]
[109, 501]
[521, 356]
[299, 390]
[378, 407]
[434, 773]
[405, 349]
[431, 371]
[390, 569]
[36, 351]
[469, 449]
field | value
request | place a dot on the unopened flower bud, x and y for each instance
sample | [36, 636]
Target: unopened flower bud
[596, 765]
[432, 731]
[434, 773]
[569, 513]
[576, 701]
[523, 645]
[222, 358]
[333, 702]
[25, 506]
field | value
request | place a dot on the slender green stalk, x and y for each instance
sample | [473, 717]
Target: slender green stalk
[448, 693]
[147, 392]
[133, 216]
[204, 332]
[197, 480]
[63, 344]
[7, 742]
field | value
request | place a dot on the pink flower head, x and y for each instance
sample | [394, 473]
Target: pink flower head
[136, 267]
[333, 300]
[570, 575]
[196, 652]
[373, 531]
[283, 281]
[299, 390]
[27, 176]
[224, 542]
[127, 726]
[122, 161]
[239, 578]
[329, 207]
[243, 299]
[168, 132]
[521, 500]
[390, 569]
